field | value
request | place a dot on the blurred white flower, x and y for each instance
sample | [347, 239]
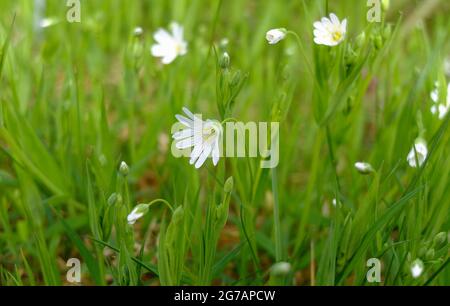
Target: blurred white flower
[169, 45]
[138, 212]
[330, 31]
[417, 268]
[202, 136]
[364, 168]
[420, 148]
[274, 36]
[440, 109]
[447, 66]
[48, 22]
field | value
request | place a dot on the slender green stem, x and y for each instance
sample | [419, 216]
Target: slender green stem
[333, 162]
[161, 201]
[276, 217]
[303, 52]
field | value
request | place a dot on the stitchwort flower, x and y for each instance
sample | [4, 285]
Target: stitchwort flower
[440, 109]
[330, 31]
[202, 136]
[274, 36]
[169, 45]
[418, 154]
[138, 212]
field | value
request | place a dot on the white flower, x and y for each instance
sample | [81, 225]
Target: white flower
[420, 148]
[274, 36]
[440, 109]
[447, 66]
[363, 168]
[417, 268]
[169, 45]
[330, 31]
[48, 22]
[202, 136]
[137, 213]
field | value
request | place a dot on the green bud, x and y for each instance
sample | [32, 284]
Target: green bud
[385, 5]
[236, 79]
[229, 184]
[440, 240]
[178, 215]
[124, 170]
[430, 254]
[225, 61]
[361, 40]
[224, 43]
[422, 251]
[378, 41]
[387, 32]
[112, 199]
[350, 57]
[102, 160]
[175, 230]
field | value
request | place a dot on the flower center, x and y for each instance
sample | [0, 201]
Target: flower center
[178, 48]
[337, 35]
[209, 133]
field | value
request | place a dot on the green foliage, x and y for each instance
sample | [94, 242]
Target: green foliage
[77, 99]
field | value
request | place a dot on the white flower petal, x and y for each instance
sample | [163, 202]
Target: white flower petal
[158, 50]
[216, 153]
[169, 58]
[177, 31]
[334, 19]
[185, 143]
[185, 121]
[162, 37]
[183, 134]
[205, 154]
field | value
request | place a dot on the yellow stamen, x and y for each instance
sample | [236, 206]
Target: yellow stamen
[337, 36]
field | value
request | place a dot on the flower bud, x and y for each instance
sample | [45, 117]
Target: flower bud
[440, 239]
[378, 41]
[387, 32]
[361, 40]
[364, 168]
[225, 61]
[430, 254]
[385, 5]
[229, 184]
[236, 79]
[138, 31]
[137, 213]
[124, 169]
[417, 268]
[281, 269]
[274, 36]
[112, 199]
